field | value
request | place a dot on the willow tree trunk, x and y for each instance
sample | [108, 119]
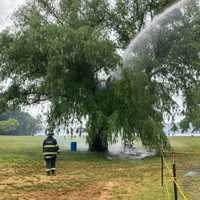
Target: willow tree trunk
[98, 141]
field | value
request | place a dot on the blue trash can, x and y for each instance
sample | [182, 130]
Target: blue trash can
[73, 146]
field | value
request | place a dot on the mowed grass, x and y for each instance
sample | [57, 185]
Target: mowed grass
[85, 176]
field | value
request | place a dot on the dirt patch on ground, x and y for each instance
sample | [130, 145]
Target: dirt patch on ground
[94, 191]
[25, 181]
[91, 191]
[106, 193]
[43, 195]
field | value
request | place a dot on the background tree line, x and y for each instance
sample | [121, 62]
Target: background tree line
[19, 123]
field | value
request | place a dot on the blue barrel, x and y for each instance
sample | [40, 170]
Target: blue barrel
[73, 146]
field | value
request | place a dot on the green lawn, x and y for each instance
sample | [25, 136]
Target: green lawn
[85, 176]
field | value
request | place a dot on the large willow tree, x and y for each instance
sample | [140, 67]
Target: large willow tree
[64, 52]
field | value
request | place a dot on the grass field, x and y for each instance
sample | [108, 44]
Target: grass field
[85, 176]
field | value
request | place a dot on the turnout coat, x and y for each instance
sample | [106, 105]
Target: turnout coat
[50, 148]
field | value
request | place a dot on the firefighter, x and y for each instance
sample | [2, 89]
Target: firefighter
[50, 150]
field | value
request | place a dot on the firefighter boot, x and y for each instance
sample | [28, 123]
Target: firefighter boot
[53, 172]
[48, 173]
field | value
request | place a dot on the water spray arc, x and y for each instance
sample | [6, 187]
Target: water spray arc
[143, 35]
[160, 65]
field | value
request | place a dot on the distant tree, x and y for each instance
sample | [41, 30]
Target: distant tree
[26, 124]
[8, 125]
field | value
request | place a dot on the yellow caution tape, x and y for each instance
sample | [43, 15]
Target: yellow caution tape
[167, 191]
[172, 178]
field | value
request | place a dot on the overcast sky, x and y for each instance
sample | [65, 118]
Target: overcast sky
[7, 7]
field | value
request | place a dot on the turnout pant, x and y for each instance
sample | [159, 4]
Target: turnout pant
[50, 164]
